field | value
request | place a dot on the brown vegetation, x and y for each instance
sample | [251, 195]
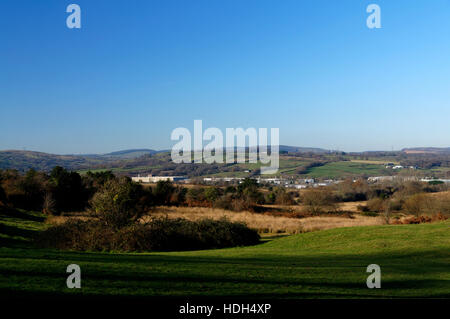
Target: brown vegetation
[420, 219]
[266, 223]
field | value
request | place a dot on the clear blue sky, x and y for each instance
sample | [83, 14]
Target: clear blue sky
[138, 69]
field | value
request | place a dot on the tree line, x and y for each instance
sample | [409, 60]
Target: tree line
[63, 191]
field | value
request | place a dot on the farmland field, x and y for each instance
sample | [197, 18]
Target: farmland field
[414, 260]
[347, 168]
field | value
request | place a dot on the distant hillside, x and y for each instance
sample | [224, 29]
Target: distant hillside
[295, 149]
[133, 153]
[284, 148]
[147, 161]
[427, 150]
[24, 160]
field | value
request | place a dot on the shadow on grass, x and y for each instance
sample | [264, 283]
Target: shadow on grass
[321, 276]
[398, 259]
[165, 280]
[13, 242]
[16, 231]
[9, 212]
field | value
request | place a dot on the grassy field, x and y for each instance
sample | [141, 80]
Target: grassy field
[288, 166]
[414, 261]
[347, 168]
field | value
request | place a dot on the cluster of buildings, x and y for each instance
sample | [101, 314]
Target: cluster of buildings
[289, 183]
[375, 179]
[155, 179]
[286, 182]
[398, 167]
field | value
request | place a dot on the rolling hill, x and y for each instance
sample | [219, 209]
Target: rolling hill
[295, 149]
[414, 263]
[24, 160]
[427, 150]
[127, 154]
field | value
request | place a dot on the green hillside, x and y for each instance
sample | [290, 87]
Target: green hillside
[347, 168]
[414, 261]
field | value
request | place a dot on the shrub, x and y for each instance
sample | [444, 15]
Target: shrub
[67, 190]
[435, 182]
[224, 202]
[2, 195]
[270, 198]
[369, 214]
[349, 190]
[318, 200]
[376, 205]
[283, 197]
[49, 205]
[181, 234]
[212, 193]
[279, 196]
[178, 196]
[76, 234]
[24, 191]
[441, 205]
[163, 192]
[409, 188]
[119, 203]
[196, 197]
[421, 219]
[239, 204]
[248, 191]
[416, 204]
[160, 234]
[362, 208]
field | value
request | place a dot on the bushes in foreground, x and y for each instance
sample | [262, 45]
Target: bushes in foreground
[160, 234]
[120, 202]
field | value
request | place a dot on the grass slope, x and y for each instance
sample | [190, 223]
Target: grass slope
[347, 168]
[414, 261]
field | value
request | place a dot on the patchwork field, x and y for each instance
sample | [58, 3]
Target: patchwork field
[347, 168]
[414, 261]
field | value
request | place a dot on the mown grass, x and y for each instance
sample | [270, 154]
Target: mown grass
[414, 261]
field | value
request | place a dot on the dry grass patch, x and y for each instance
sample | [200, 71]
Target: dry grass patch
[300, 208]
[440, 195]
[58, 220]
[351, 206]
[265, 223]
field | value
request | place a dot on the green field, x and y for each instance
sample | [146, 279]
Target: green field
[287, 167]
[347, 168]
[414, 260]
[340, 169]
